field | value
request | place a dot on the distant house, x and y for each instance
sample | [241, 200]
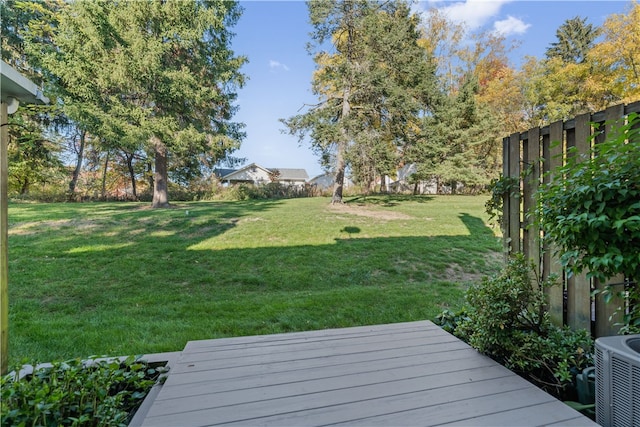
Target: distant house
[403, 184]
[258, 175]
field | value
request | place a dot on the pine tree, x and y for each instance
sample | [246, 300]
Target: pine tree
[372, 87]
[575, 39]
[150, 75]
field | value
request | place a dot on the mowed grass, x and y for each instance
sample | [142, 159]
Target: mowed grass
[121, 278]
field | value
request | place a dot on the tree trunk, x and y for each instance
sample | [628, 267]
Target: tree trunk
[104, 177]
[24, 188]
[150, 174]
[160, 177]
[341, 164]
[339, 179]
[132, 174]
[76, 172]
[338, 186]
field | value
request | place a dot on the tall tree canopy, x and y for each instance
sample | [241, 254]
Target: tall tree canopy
[616, 59]
[152, 74]
[373, 84]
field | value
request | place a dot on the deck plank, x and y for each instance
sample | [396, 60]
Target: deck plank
[399, 374]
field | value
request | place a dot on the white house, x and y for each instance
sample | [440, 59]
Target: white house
[258, 175]
[402, 184]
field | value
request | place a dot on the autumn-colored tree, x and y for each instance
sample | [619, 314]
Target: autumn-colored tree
[461, 137]
[616, 59]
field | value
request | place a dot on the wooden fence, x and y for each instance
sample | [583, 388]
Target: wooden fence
[539, 152]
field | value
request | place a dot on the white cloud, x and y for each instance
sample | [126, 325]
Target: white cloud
[473, 13]
[275, 65]
[510, 26]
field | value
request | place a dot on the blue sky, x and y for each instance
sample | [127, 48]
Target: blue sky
[273, 35]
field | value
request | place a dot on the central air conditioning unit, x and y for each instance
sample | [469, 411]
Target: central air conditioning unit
[618, 381]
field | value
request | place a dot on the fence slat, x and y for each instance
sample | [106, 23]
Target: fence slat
[506, 161]
[552, 265]
[606, 316]
[579, 286]
[514, 199]
[531, 158]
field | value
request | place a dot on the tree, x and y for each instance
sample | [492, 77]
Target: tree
[150, 74]
[33, 152]
[616, 59]
[329, 123]
[459, 139]
[460, 147]
[372, 86]
[575, 39]
[32, 157]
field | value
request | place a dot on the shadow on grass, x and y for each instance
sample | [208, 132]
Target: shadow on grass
[102, 294]
[388, 200]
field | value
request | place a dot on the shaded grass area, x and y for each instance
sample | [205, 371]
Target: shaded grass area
[115, 279]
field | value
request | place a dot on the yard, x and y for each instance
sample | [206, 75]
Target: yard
[121, 278]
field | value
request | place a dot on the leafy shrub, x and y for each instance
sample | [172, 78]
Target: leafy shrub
[505, 319]
[74, 393]
[593, 214]
[271, 190]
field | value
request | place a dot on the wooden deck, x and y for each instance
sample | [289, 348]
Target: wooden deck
[405, 374]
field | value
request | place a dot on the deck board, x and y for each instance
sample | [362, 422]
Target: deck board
[399, 374]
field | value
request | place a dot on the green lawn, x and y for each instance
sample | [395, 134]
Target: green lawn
[116, 278]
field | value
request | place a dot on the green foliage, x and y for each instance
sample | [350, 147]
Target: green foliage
[76, 393]
[450, 320]
[574, 40]
[460, 140]
[629, 312]
[505, 318]
[152, 76]
[499, 189]
[373, 86]
[592, 214]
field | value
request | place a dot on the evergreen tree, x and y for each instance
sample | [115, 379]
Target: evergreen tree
[575, 39]
[372, 87]
[150, 75]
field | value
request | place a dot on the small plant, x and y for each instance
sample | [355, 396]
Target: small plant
[499, 189]
[506, 319]
[449, 320]
[76, 393]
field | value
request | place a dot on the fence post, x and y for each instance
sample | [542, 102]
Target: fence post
[531, 160]
[553, 147]
[579, 286]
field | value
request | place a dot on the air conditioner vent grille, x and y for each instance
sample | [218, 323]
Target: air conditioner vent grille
[617, 382]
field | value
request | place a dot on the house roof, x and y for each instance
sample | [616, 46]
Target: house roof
[292, 174]
[252, 167]
[286, 174]
[220, 172]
